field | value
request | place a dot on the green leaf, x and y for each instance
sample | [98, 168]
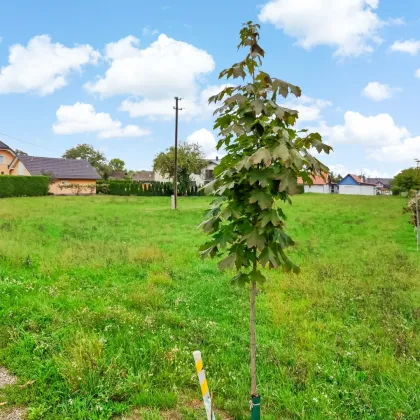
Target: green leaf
[270, 216]
[268, 256]
[257, 277]
[259, 176]
[261, 154]
[288, 181]
[241, 279]
[281, 152]
[263, 199]
[255, 240]
[227, 263]
[258, 106]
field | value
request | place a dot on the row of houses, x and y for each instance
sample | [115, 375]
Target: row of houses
[351, 185]
[79, 171]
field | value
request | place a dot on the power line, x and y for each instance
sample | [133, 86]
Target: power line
[176, 153]
[27, 142]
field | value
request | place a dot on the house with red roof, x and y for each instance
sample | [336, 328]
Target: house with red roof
[354, 185]
[319, 185]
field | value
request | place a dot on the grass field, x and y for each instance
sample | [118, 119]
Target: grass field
[103, 300]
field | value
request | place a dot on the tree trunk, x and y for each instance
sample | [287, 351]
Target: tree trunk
[253, 340]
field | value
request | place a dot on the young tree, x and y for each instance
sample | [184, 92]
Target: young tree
[117, 164]
[265, 156]
[190, 161]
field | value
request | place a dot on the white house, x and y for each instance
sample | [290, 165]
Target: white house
[319, 185]
[353, 185]
[204, 178]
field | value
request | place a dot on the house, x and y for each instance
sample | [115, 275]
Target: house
[143, 176]
[63, 172]
[354, 185]
[319, 185]
[204, 178]
[383, 185]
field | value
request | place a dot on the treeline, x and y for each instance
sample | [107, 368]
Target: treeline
[142, 188]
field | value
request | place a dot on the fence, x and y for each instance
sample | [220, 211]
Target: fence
[142, 188]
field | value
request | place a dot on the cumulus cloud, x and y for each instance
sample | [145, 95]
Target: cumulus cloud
[165, 69]
[196, 106]
[376, 130]
[82, 118]
[207, 141]
[405, 151]
[350, 26]
[378, 91]
[410, 46]
[309, 109]
[343, 170]
[382, 138]
[42, 66]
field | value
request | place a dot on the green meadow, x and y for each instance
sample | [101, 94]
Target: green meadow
[103, 300]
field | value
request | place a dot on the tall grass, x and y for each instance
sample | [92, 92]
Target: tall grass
[103, 299]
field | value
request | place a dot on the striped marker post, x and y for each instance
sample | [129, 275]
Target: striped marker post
[203, 384]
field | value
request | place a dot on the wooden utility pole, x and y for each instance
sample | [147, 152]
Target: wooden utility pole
[176, 153]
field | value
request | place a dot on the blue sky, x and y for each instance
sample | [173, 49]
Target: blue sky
[106, 72]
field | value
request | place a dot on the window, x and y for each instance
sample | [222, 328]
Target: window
[63, 182]
[1, 159]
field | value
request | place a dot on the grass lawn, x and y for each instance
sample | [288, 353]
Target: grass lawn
[103, 300]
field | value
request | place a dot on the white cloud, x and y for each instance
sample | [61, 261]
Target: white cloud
[165, 69]
[196, 106]
[148, 31]
[378, 91]
[309, 109]
[207, 141]
[369, 173]
[410, 46]
[350, 26]
[405, 151]
[42, 66]
[383, 139]
[417, 73]
[82, 118]
[377, 130]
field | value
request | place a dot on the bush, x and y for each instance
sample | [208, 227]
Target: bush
[23, 186]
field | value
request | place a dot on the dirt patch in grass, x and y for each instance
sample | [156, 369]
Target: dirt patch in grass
[13, 414]
[6, 378]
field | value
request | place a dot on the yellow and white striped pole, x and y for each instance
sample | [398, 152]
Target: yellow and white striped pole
[204, 386]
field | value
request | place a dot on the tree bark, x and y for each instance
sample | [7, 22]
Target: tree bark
[253, 340]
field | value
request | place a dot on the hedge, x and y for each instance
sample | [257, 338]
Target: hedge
[141, 188]
[23, 186]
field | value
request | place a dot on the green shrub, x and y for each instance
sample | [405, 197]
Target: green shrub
[23, 186]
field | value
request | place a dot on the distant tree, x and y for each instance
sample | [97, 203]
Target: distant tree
[406, 180]
[85, 151]
[20, 153]
[190, 161]
[96, 158]
[117, 165]
[335, 178]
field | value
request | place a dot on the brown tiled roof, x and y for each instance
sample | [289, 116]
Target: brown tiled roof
[317, 180]
[144, 176]
[359, 181]
[4, 146]
[60, 168]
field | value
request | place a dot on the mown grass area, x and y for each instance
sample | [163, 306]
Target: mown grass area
[103, 300]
